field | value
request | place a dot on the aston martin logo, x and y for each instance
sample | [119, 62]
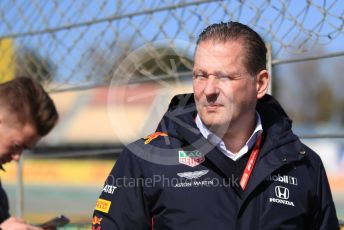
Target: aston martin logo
[193, 175]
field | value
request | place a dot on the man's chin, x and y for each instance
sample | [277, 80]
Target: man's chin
[217, 127]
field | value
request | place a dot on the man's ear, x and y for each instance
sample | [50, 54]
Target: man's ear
[262, 83]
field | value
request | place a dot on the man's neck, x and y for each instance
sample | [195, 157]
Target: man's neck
[238, 133]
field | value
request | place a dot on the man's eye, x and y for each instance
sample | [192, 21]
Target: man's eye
[16, 146]
[224, 77]
[199, 76]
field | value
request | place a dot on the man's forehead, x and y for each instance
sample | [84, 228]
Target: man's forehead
[204, 46]
[223, 56]
[12, 118]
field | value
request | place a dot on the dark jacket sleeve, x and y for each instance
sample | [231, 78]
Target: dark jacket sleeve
[325, 213]
[121, 204]
[4, 207]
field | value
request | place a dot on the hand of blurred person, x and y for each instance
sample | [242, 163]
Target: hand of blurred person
[14, 223]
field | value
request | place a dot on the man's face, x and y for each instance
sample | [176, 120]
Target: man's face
[225, 93]
[14, 138]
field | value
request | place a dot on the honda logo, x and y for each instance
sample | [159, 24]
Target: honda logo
[282, 192]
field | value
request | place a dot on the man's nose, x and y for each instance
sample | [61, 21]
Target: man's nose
[16, 155]
[211, 87]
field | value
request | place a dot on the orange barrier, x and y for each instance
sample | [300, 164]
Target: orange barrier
[60, 172]
[336, 182]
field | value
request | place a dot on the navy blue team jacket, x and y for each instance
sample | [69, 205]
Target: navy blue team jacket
[4, 207]
[175, 179]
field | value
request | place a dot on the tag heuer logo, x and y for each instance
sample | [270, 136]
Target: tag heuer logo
[190, 158]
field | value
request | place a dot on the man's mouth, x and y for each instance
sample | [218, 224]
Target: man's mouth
[213, 106]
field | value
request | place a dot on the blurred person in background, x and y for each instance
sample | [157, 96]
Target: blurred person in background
[224, 157]
[27, 113]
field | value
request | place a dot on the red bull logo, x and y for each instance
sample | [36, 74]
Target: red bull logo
[153, 136]
[96, 220]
